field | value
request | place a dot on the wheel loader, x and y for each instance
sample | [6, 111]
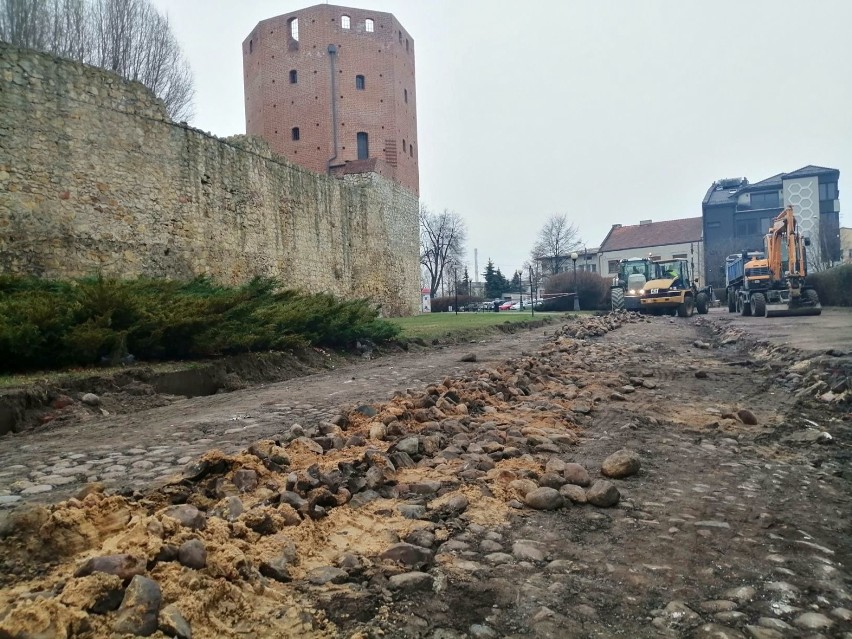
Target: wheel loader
[673, 289]
[773, 283]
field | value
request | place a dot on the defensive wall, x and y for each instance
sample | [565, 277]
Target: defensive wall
[95, 178]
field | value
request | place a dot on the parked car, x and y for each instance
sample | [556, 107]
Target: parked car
[518, 306]
[505, 306]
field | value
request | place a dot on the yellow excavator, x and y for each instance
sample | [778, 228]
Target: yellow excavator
[773, 284]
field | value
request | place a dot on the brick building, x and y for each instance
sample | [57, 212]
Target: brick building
[332, 88]
[668, 240]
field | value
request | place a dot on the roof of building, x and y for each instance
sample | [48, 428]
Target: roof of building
[809, 170]
[726, 191]
[653, 234]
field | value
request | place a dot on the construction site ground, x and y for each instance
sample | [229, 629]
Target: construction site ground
[419, 495]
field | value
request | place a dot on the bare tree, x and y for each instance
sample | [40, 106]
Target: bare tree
[129, 37]
[825, 252]
[556, 239]
[25, 23]
[442, 245]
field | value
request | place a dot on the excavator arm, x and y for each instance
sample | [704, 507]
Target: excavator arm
[784, 231]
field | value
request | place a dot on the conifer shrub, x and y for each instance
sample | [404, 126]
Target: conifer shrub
[49, 324]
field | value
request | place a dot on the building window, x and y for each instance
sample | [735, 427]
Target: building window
[679, 256]
[363, 145]
[764, 200]
[294, 28]
[344, 22]
[295, 133]
[613, 266]
[411, 150]
[251, 46]
[828, 191]
[404, 149]
[294, 76]
[369, 25]
[594, 268]
[713, 225]
[406, 44]
[745, 228]
[360, 82]
[405, 95]
[400, 36]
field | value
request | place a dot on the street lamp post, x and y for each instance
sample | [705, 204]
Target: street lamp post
[574, 257]
[456, 288]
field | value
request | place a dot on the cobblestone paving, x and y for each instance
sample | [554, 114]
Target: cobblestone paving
[144, 448]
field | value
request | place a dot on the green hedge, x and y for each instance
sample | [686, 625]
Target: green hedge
[592, 289]
[834, 286]
[49, 324]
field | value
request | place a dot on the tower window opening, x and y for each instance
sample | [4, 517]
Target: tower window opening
[363, 145]
[360, 82]
[251, 46]
[294, 132]
[344, 22]
[294, 28]
[405, 95]
[411, 150]
[403, 145]
[369, 25]
[400, 36]
[406, 44]
[294, 76]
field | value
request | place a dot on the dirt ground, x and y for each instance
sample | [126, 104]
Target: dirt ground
[416, 495]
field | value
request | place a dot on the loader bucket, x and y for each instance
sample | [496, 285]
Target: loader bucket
[787, 310]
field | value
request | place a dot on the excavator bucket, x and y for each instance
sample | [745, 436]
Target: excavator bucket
[789, 310]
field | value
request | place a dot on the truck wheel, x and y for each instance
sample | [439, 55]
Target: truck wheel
[744, 307]
[812, 296]
[617, 295]
[686, 307]
[732, 301]
[702, 304]
[758, 304]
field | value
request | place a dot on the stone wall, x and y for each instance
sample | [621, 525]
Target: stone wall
[94, 178]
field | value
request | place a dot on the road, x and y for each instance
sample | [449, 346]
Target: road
[734, 524]
[832, 329]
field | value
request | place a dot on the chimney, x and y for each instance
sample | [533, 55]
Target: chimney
[616, 226]
[644, 222]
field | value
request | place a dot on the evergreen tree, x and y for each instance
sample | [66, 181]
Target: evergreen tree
[516, 281]
[492, 281]
[466, 282]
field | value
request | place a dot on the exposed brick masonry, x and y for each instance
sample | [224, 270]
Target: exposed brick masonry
[385, 108]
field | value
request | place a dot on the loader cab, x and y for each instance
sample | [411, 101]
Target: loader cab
[677, 270]
[633, 273]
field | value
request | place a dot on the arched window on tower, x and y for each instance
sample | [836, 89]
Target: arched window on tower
[360, 82]
[363, 145]
[294, 28]
[294, 76]
[369, 25]
[294, 132]
[344, 22]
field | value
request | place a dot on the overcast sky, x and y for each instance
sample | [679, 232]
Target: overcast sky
[607, 111]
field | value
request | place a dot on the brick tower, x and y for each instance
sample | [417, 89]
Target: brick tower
[332, 89]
